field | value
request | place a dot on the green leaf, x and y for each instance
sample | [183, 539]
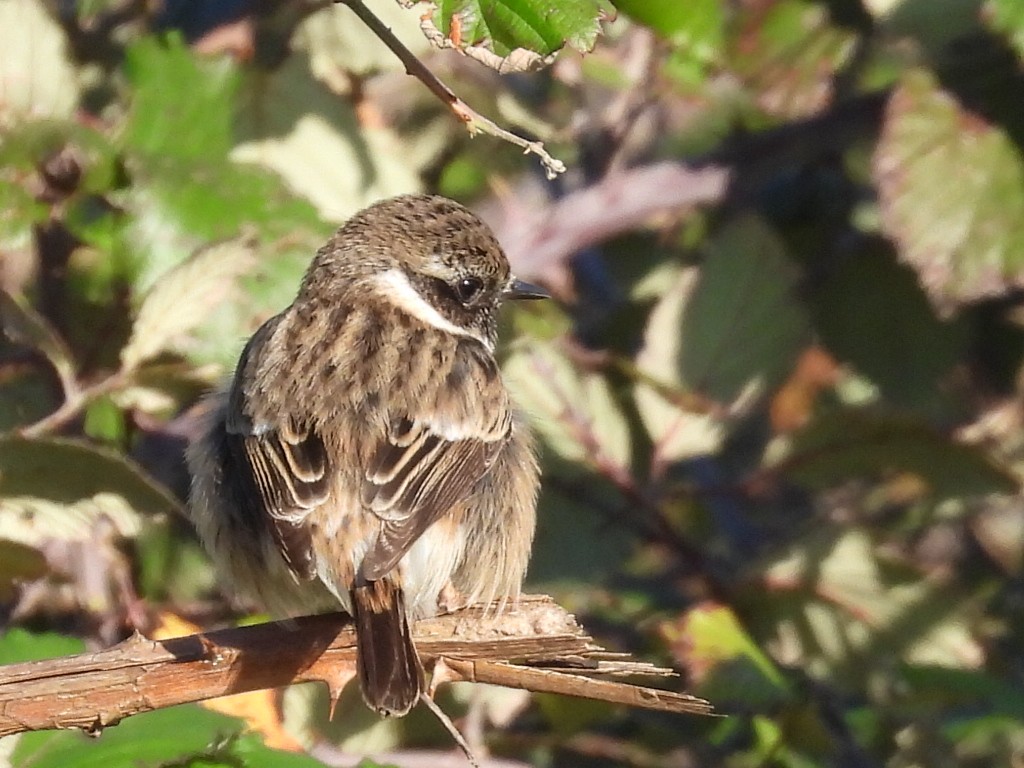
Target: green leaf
[18, 562]
[845, 443]
[732, 328]
[574, 411]
[183, 297]
[1007, 17]
[834, 607]
[180, 206]
[788, 52]
[873, 315]
[943, 687]
[518, 34]
[66, 471]
[22, 325]
[964, 239]
[697, 25]
[17, 645]
[677, 432]
[337, 41]
[181, 106]
[568, 512]
[726, 664]
[745, 321]
[293, 124]
[186, 189]
[37, 77]
[19, 211]
[177, 733]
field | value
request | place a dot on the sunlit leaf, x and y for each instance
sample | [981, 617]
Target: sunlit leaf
[37, 78]
[186, 191]
[19, 211]
[722, 659]
[676, 21]
[18, 562]
[744, 322]
[1007, 16]
[788, 51]
[999, 529]
[21, 324]
[183, 297]
[294, 125]
[34, 521]
[847, 443]
[695, 29]
[573, 410]
[964, 239]
[181, 103]
[355, 729]
[677, 432]
[512, 35]
[833, 605]
[732, 327]
[337, 41]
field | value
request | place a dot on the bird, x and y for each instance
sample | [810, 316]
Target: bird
[366, 452]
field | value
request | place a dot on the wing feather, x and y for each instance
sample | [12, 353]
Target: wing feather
[410, 487]
[283, 469]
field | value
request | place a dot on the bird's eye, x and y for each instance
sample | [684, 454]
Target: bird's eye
[467, 288]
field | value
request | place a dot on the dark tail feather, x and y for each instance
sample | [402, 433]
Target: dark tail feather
[389, 669]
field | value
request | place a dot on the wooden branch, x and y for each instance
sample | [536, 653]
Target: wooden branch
[539, 241]
[537, 647]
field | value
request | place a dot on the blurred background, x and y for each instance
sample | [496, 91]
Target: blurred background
[779, 392]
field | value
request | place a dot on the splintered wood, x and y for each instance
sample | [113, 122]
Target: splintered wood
[535, 646]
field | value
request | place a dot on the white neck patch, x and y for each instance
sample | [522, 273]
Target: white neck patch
[395, 285]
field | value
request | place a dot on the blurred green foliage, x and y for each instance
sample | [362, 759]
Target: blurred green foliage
[781, 430]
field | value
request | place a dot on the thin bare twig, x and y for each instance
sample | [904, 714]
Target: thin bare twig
[76, 401]
[475, 122]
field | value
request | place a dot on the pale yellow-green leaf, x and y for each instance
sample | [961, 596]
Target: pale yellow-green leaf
[573, 410]
[337, 41]
[723, 334]
[21, 324]
[144, 399]
[354, 729]
[999, 528]
[294, 125]
[18, 563]
[879, 8]
[860, 607]
[677, 433]
[184, 297]
[31, 520]
[37, 79]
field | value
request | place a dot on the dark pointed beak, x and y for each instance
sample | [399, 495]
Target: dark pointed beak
[520, 289]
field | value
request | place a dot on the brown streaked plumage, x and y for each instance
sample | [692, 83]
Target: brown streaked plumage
[366, 452]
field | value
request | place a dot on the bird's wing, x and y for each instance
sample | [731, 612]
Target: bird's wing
[431, 460]
[282, 469]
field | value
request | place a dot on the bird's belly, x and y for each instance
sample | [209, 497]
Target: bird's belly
[429, 564]
[341, 541]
